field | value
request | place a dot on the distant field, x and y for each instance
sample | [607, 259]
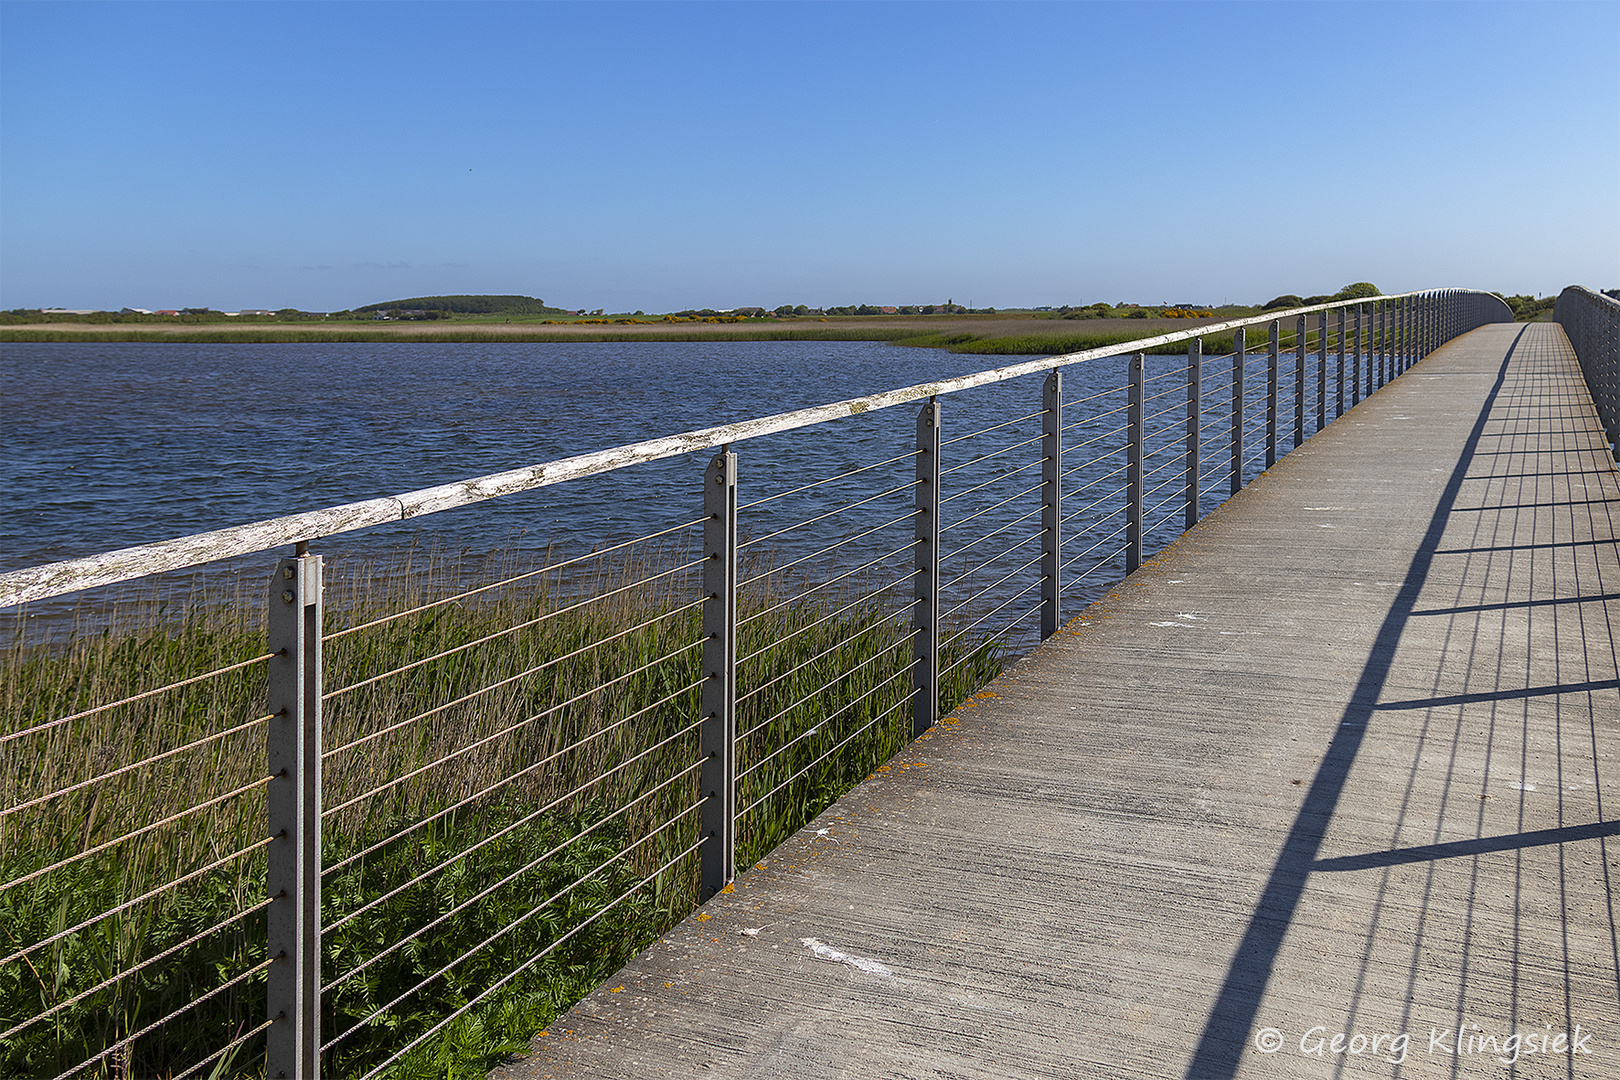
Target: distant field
[1004, 334]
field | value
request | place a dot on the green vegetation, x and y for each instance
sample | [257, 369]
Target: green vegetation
[467, 305]
[1531, 308]
[589, 706]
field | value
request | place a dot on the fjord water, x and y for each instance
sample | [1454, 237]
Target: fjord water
[110, 445]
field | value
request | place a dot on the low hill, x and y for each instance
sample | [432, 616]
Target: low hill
[469, 305]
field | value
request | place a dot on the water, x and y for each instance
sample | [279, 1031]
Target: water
[109, 445]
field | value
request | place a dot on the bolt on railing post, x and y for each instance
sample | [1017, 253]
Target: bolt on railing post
[1275, 339]
[1195, 411]
[293, 804]
[1051, 504]
[1355, 361]
[718, 734]
[1240, 348]
[1133, 464]
[1299, 381]
[1338, 407]
[925, 579]
[1321, 369]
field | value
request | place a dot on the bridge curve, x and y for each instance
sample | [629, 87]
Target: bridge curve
[1341, 760]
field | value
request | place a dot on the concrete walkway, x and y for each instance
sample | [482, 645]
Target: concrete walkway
[1343, 759]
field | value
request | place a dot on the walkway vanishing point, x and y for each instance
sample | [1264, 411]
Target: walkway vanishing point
[1341, 760]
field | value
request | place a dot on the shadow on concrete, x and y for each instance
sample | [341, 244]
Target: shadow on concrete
[1226, 1032]
[1481, 846]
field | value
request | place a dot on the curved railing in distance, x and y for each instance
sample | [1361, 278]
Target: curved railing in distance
[1592, 321]
[315, 824]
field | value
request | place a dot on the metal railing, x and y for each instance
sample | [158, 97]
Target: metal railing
[323, 836]
[1592, 321]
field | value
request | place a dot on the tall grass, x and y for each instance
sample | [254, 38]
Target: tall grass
[548, 723]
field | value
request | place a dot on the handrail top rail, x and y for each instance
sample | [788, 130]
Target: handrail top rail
[49, 580]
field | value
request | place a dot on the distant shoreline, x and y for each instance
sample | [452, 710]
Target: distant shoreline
[1007, 334]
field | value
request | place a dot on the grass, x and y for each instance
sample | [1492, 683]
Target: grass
[556, 724]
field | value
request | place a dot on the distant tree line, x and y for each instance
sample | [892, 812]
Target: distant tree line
[466, 305]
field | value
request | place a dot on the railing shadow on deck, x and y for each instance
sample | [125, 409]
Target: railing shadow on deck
[1225, 1035]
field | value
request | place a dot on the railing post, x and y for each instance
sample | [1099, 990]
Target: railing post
[1271, 392]
[1355, 361]
[1380, 341]
[1240, 348]
[1321, 369]
[718, 735]
[1403, 334]
[1299, 381]
[1338, 407]
[1133, 464]
[1195, 417]
[925, 579]
[1052, 505]
[293, 798]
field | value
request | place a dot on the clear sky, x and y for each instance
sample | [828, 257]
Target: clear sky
[664, 156]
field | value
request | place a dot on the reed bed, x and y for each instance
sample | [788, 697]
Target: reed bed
[535, 740]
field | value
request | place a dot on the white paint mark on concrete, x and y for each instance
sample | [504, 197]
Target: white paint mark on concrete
[860, 963]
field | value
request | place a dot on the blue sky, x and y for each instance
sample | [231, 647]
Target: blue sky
[664, 156]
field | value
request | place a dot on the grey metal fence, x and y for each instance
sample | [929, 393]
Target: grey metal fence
[1592, 321]
[333, 826]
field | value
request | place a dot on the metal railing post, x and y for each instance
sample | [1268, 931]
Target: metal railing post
[1275, 338]
[1240, 348]
[1321, 369]
[1299, 381]
[1355, 361]
[925, 579]
[293, 797]
[1195, 417]
[1133, 464]
[1338, 406]
[718, 734]
[1051, 504]
[1380, 342]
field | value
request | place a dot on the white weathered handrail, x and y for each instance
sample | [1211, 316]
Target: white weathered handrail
[125, 564]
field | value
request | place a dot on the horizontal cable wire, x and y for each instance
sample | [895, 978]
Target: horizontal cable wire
[149, 1028]
[508, 879]
[981, 619]
[1157, 524]
[983, 510]
[143, 830]
[536, 958]
[999, 581]
[995, 427]
[559, 894]
[126, 973]
[818, 587]
[1100, 479]
[227, 1048]
[998, 478]
[1095, 438]
[531, 767]
[830, 513]
[1167, 374]
[1069, 402]
[514, 628]
[971, 544]
[550, 662]
[1100, 564]
[852, 537]
[1090, 506]
[141, 899]
[779, 714]
[1082, 554]
[829, 650]
[1007, 626]
[840, 744]
[826, 480]
[1009, 448]
[403, 778]
[138, 697]
[547, 569]
[136, 765]
[1095, 417]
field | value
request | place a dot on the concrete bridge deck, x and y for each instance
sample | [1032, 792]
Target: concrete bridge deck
[1343, 759]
